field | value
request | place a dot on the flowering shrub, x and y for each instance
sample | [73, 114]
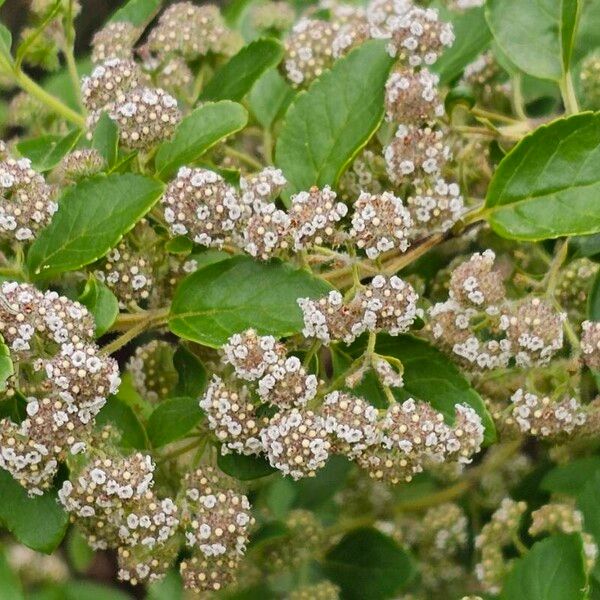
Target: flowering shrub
[301, 300]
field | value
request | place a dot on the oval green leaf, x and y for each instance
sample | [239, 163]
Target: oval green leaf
[47, 151]
[200, 130]
[327, 126]
[92, 217]
[102, 304]
[236, 77]
[269, 97]
[137, 12]
[236, 294]
[553, 569]
[106, 139]
[548, 185]
[172, 419]
[368, 565]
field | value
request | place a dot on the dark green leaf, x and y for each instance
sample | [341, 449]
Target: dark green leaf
[200, 130]
[227, 297]
[87, 590]
[594, 300]
[313, 492]
[47, 151]
[92, 217]
[244, 467]
[585, 245]
[269, 97]
[327, 126]
[123, 417]
[191, 371]
[368, 565]
[552, 570]
[472, 37]
[101, 303]
[10, 586]
[529, 34]
[78, 550]
[172, 419]
[236, 77]
[548, 185]
[106, 139]
[137, 12]
[430, 376]
[571, 478]
[169, 588]
[38, 522]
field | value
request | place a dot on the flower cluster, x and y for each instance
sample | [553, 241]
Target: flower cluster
[590, 344]
[152, 371]
[54, 337]
[115, 40]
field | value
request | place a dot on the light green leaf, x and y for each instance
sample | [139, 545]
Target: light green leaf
[172, 419]
[568, 27]
[191, 371]
[244, 468]
[47, 151]
[5, 45]
[269, 97]
[92, 217]
[6, 364]
[230, 296]
[588, 31]
[38, 522]
[78, 550]
[430, 376]
[106, 139]
[529, 34]
[571, 478]
[368, 565]
[327, 126]
[87, 590]
[169, 588]
[548, 185]
[472, 37]
[102, 304]
[179, 245]
[10, 586]
[236, 77]
[553, 569]
[137, 12]
[124, 418]
[200, 130]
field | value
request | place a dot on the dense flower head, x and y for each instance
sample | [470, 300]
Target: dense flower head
[80, 164]
[272, 16]
[435, 206]
[174, 76]
[232, 417]
[27, 202]
[309, 50]
[114, 40]
[415, 152]
[380, 223]
[296, 443]
[412, 97]
[153, 374]
[209, 574]
[383, 14]
[201, 204]
[267, 231]
[590, 344]
[419, 37]
[263, 186]
[354, 30]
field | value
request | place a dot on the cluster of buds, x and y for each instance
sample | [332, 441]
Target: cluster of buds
[80, 164]
[385, 304]
[590, 344]
[115, 40]
[494, 536]
[145, 115]
[28, 201]
[152, 371]
[53, 336]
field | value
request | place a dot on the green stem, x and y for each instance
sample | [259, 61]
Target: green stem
[487, 114]
[567, 91]
[518, 101]
[243, 157]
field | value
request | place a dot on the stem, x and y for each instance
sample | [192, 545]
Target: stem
[243, 157]
[183, 450]
[567, 91]
[124, 338]
[518, 101]
[314, 348]
[551, 279]
[31, 87]
[68, 53]
[487, 114]
[126, 321]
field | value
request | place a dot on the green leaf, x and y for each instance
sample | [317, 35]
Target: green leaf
[123, 417]
[200, 130]
[553, 569]
[269, 98]
[568, 27]
[312, 492]
[244, 467]
[179, 245]
[368, 565]
[472, 37]
[6, 364]
[137, 12]
[101, 303]
[87, 590]
[588, 32]
[529, 34]
[227, 297]
[47, 151]
[191, 371]
[236, 77]
[78, 550]
[548, 185]
[585, 246]
[327, 126]
[571, 478]
[172, 419]
[430, 376]
[10, 585]
[5, 44]
[92, 217]
[60, 85]
[106, 139]
[38, 522]
[169, 588]
[594, 300]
